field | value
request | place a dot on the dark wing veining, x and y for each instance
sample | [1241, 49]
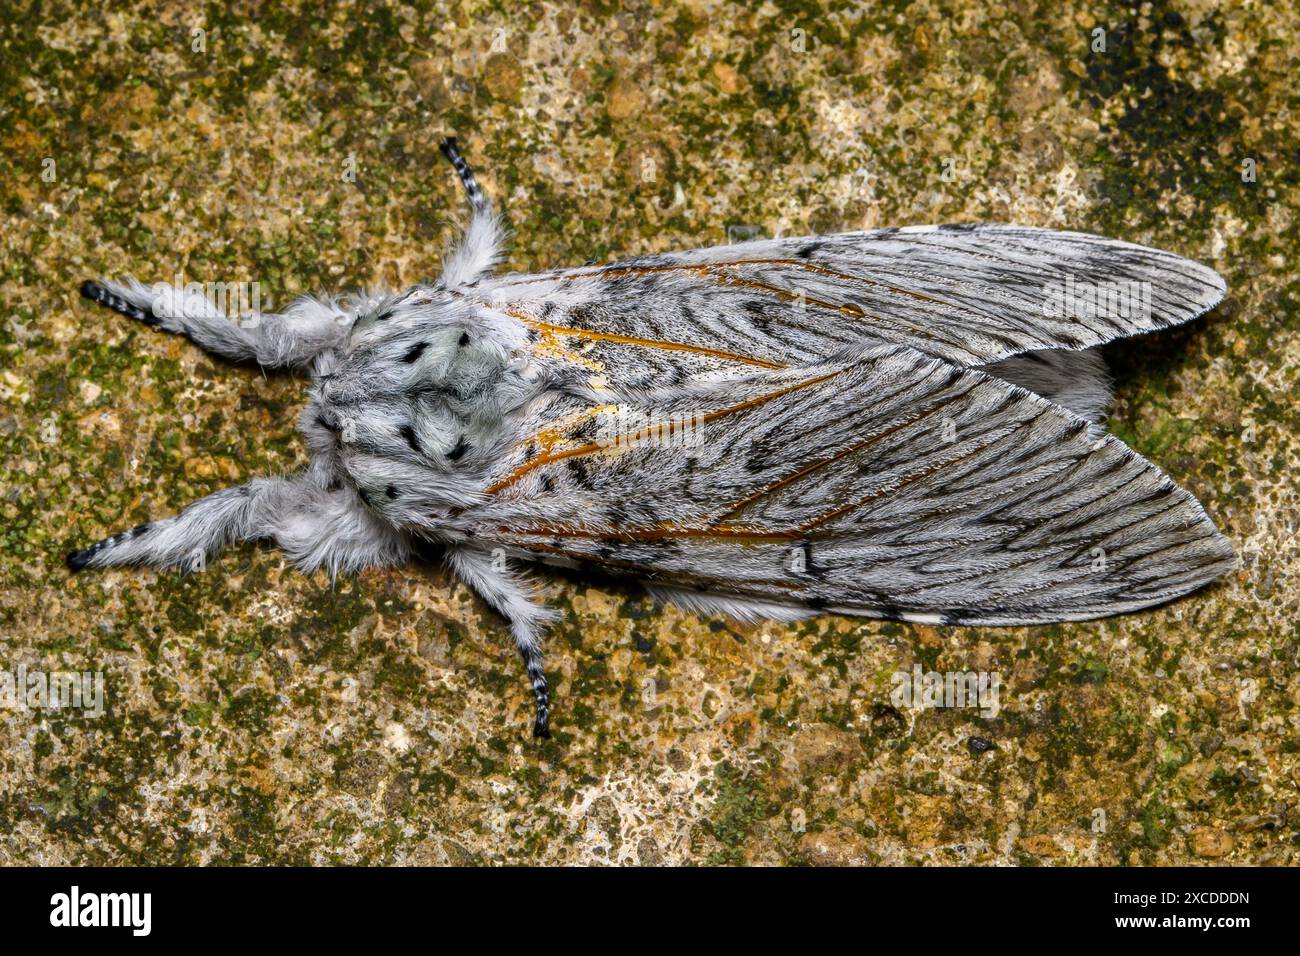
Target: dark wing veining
[970, 295]
[887, 484]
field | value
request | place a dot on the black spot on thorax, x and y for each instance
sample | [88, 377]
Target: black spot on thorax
[407, 431]
[457, 453]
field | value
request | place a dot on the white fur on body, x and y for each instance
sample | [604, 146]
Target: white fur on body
[426, 409]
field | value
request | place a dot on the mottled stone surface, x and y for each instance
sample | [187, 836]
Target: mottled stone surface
[258, 715]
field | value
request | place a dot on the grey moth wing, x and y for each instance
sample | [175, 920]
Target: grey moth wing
[880, 482]
[968, 294]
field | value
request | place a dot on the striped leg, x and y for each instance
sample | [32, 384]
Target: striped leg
[187, 540]
[316, 527]
[479, 249]
[476, 198]
[273, 340]
[512, 598]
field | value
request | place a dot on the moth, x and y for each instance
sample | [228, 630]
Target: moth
[903, 423]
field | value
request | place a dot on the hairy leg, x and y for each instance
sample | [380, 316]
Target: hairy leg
[316, 527]
[479, 249]
[292, 338]
[514, 599]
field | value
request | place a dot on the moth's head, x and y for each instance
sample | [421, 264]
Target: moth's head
[421, 345]
[422, 386]
[424, 380]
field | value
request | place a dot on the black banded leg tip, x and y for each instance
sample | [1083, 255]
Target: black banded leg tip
[78, 560]
[541, 731]
[92, 290]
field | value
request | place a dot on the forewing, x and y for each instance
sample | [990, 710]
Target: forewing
[969, 294]
[892, 485]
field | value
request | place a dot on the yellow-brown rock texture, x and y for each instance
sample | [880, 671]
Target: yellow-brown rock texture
[254, 714]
